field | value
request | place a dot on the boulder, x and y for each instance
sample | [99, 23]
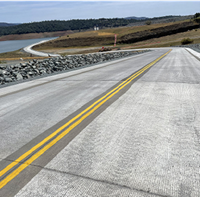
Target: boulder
[55, 64]
[8, 79]
[19, 77]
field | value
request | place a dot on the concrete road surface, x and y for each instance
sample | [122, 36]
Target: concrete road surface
[135, 130]
[29, 49]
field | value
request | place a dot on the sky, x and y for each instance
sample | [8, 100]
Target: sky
[34, 11]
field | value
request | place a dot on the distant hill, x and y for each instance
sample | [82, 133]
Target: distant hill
[161, 19]
[57, 25]
[81, 24]
[154, 18]
[2, 24]
[136, 18]
[125, 35]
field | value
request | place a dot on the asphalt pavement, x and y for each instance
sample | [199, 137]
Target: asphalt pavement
[142, 141]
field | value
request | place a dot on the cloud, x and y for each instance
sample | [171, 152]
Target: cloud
[101, 0]
[29, 11]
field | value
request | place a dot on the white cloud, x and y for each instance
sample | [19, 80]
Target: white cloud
[26, 11]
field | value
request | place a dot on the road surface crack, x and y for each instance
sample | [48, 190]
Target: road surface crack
[96, 180]
[106, 182]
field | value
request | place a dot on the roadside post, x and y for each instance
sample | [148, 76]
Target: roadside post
[115, 40]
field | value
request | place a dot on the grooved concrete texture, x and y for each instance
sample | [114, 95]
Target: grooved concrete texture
[147, 143]
[30, 111]
[144, 144]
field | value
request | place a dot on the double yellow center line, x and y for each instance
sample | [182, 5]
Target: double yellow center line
[53, 139]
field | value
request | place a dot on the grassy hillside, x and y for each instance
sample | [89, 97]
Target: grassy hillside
[158, 32]
[125, 35]
[75, 24]
[57, 25]
[35, 35]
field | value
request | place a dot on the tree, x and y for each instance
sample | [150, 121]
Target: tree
[197, 15]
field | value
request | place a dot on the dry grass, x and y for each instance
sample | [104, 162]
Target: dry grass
[103, 37]
[34, 35]
[81, 52]
[16, 55]
[79, 35]
[92, 37]
[105, 34]
[167, 41]
[121, 31]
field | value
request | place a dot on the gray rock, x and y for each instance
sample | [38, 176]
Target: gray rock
[36, 71]
[7, 79]
[55, 64]
[42, 71]
[3, 67]
[30, 73]
[19, 77]
[17, 66]
[3, 72]
[23, 64]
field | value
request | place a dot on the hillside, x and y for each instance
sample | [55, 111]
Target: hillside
[125, 35]
[35, 35]
[52, 26]
[136, 18]
[158, 32]
[81, 25]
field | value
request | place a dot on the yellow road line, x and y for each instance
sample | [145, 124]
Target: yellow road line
[59, 129]
[56, 132]
[44, 149]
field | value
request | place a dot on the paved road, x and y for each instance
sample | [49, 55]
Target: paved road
[143, 141]
[29, 49]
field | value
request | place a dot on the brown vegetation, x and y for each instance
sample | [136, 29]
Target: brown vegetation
[187, 41]
[35, 35]
[16, 55]
[158, 32]
[154, 35]
[73, 42]
[125, 35]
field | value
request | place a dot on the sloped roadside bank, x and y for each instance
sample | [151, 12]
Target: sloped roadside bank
[158, 32]
[35, 68]
[195, 47]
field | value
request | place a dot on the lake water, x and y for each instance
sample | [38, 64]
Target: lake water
[13, 45]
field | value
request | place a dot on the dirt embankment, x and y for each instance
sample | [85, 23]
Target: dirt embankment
[100, 40]
[35, 35]
[158, 32]
[73, 42]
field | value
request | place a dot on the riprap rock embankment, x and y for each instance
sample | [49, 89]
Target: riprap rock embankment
[33, 68]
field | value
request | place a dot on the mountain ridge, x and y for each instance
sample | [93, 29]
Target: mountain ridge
[3, 24]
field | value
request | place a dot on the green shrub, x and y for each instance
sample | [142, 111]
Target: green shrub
[197, 20]
[186, 41]
[148, 22]
[197, 15]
